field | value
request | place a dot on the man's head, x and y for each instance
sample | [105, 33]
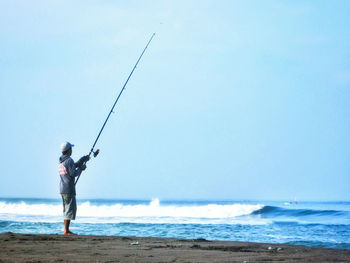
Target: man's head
[66, 148]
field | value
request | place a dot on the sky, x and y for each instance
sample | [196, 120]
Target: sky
[233, 100]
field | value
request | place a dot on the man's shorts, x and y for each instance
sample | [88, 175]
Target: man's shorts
[69, 206]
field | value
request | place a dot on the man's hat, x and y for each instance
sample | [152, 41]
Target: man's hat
[66, 146]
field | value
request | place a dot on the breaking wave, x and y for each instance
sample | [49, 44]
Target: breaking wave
[152, 212]
[304, 215]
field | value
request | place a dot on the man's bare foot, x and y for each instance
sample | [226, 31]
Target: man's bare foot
[69, 234]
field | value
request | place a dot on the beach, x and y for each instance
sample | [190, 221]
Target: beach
[84, 248]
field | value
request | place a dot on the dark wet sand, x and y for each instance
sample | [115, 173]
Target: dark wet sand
[58, 248]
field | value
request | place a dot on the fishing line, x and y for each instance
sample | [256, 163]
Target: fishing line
[109, 114]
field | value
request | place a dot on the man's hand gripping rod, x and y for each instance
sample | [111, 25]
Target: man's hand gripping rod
[120, 93]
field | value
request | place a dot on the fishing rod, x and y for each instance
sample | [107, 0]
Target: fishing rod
[109, 114]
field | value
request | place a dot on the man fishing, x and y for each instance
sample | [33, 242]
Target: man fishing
[68, 170]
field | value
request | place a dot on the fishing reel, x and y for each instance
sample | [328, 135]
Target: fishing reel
[96, 152]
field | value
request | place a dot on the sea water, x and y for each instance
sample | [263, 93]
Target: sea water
[318, 224]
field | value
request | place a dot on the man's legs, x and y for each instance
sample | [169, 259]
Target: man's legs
[66, 227]
[69, 211]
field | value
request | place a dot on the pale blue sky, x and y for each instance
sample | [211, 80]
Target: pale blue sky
[232, 100]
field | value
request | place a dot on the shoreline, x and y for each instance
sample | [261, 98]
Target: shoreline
[58, 248]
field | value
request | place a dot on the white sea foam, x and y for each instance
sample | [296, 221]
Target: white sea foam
[153, 212]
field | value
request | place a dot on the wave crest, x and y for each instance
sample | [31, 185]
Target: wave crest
[140, 213]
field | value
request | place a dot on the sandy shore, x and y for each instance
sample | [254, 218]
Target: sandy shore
[58, 248]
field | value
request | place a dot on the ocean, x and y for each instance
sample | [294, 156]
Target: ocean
[316, 224]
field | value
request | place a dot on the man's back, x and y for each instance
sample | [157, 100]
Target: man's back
[67, 173]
